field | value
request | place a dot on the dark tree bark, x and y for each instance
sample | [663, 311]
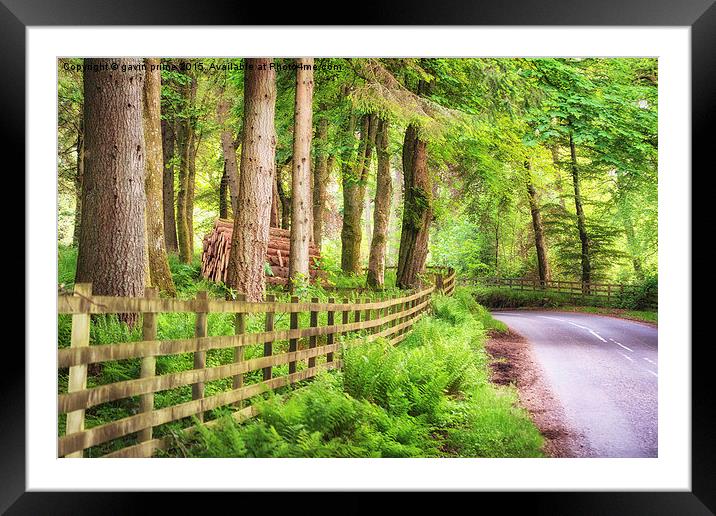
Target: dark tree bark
[79, 174]
[112, 249]
[541, 248]
[301, 174]
[275, 213]
[185, 144]
[258, 154]
[223, 191]
[581, 221]
[159, 273]
[354, 185]
[381, 210]
[320, 181]
[170, 225]
[417, 210]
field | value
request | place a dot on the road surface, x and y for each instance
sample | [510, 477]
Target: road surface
[604, 372]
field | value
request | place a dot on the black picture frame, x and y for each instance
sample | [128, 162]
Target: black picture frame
[700, 15]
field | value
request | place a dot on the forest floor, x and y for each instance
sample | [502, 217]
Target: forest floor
[513, 363]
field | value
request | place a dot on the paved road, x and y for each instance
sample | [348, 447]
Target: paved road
[603, 370]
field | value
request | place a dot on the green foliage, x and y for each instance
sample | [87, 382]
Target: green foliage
[642, 297]
[66, 266]
[428, 397]
[502, 297]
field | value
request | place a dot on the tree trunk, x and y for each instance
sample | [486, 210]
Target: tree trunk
[320, 180]
[258, 154]
[223, 191]
[542, 264]
[170, 225]
[229, 150]
[633, 246]
[381, 210]
[191, 184]
[284, 197]
[78, 178]
[160, 275]
[581, 221]
[354, 184]
[417, 210]
[112, 251]
[275, 216]
[301, 175]
[185, 144]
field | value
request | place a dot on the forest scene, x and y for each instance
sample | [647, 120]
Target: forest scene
[208, 195]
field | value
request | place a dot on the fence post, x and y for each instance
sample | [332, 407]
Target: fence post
[357, 312]
[293, 343]
[197, 389]
[330, 338]
[268, 346]
[239, 329]
[149, 364]
[345, 315]
[78, 374]
[312, 340]
[438, 282]
[368, 314]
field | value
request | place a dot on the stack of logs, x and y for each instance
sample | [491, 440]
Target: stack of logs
[217, 246]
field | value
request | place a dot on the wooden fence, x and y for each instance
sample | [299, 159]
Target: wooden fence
[605, 292]
[309, 350]
[445, 281]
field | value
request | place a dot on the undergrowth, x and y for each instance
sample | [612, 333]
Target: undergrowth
[428, 397]
[503, 297]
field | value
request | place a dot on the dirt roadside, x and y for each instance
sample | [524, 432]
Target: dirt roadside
[512, 362]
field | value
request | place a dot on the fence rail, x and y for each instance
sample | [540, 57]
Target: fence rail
[387, 318]
[608, 292]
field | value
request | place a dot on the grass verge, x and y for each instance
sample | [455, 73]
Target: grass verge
[650, 316]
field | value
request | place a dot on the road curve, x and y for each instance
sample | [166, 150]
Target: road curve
[604, 372]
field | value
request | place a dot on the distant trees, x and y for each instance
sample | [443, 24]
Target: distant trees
[112, 252]
[354, 177]
[581, 220]
[258, 151]
[185, 149]
[230, 176]
[320, 178]
[537, 227]
[168, 198]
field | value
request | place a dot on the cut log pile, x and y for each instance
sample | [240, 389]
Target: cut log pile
[217, 246]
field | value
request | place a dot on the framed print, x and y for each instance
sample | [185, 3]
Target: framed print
[417, 253]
